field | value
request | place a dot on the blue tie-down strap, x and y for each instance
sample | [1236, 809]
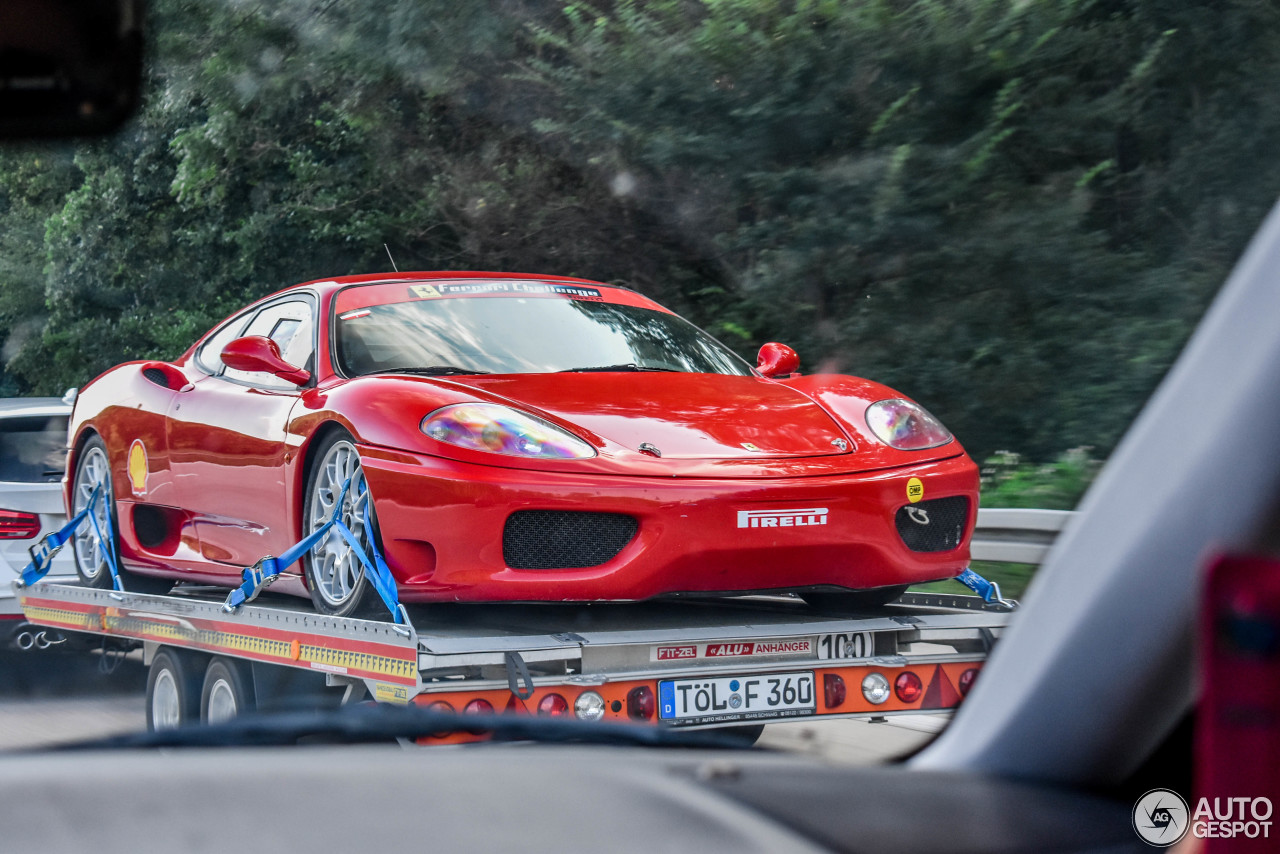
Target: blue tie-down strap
[988, 590]
[267, 570]
[42, 552]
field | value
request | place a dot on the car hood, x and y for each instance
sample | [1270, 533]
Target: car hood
[682, 415]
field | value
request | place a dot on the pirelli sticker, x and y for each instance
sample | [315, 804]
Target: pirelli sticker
[799, 647]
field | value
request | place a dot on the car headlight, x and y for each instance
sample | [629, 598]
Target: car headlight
[905, 425]
[502, 430]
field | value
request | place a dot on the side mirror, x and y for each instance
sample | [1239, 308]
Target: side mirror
[261, 354]
[777, 360]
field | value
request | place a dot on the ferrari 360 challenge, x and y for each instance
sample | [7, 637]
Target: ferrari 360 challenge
[519, 438]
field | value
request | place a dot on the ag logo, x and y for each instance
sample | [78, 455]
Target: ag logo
[1160, 817]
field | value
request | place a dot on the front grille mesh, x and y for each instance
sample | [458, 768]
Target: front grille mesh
[564, 539]
[933, 526]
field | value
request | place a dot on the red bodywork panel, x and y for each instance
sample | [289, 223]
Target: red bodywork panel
[223, 467]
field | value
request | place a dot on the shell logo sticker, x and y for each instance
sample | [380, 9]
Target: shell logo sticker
[138, 467]
[915, 490]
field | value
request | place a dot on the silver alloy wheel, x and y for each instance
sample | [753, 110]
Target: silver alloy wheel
[93, 469]
[222, 703]
[166, 712]
[335, 569]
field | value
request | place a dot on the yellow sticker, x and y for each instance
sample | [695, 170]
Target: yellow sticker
[424, 291]
[385, 693]
[138, 467]
[915, 490]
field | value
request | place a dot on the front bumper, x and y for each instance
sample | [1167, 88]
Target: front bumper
[442, 524]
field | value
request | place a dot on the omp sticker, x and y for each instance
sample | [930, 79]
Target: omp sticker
[782, 518]
[138, 467]
[915, 490]
[738, 649]
[385, 693]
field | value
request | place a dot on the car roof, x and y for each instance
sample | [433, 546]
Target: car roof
[334, 283]
[19, 407]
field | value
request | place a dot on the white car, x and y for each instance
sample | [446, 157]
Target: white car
[33, 449]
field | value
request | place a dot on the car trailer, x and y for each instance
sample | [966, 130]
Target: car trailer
[686, 662]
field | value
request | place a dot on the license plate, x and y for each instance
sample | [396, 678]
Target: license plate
[853, 645]
[732, 698]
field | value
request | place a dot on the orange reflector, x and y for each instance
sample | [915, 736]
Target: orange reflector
[441, 707]
[940, 694]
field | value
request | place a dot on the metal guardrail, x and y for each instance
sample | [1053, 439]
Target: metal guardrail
[1015, 535]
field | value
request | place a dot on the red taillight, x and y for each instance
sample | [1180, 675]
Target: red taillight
[478, 706]
[16, 525]
[641, 704]
[833, 691]
[966, 681]
[553, 705]
[908, 687]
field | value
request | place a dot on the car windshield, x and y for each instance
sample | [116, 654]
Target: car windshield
[998, 221]
[516, 335]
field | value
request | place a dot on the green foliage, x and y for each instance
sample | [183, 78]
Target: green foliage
[1008, 481]
[1012, 211]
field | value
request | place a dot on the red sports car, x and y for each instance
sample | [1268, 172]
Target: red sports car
[520, 438]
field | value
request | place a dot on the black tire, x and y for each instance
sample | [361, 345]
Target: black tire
[93, 465]
[337, 584]
[854, 601]
[174, 684]
[228, 690]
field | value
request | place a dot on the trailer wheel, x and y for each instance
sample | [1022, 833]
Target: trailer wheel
[228, 690]
[173, 690]
[854, 601]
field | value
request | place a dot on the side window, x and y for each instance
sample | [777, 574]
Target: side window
[290, 325]
[209, 356]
